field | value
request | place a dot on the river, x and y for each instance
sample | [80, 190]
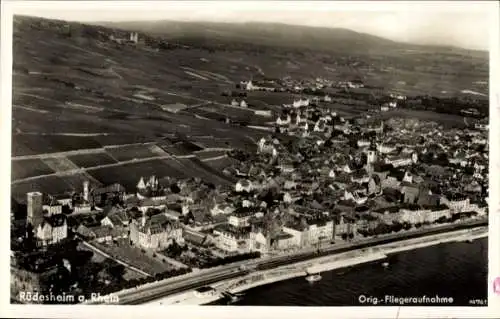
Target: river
[458, 270]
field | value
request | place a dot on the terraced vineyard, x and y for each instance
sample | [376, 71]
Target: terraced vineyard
[128, 175]
[40, 144]
[91, 160]
[130, 152]
[55, 185]
[28, 168]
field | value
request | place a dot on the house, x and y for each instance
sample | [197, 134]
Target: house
[259, 240]
[360, 176]
[100, 196]
[410, 192]
[385, 148]
[286, 168]
[52, 208]
[298, 229]
[52, 230]
[196, 237]
[156, 232]
[266, 113]
[374, 185]
[319, 229]
[349, 168]
[117, 218]
[320, 126]
[300, 103]
[438, 212]
[331, 173]
[243, 103]
[243, 186]
[356, 195]
[309, 230]
[289, 185]
[232, 239]
[382, 170]
[249, 86]
[388, 215]
[363, 143]
[414, 215]
[241, 217]
[101, 234]
[223, 209]
[147, 204]
[283, 120]
[284, 241]
[84, 232]
[456, 202]
[427, 199]
[402, 160]
[287, 198]
[473, 187]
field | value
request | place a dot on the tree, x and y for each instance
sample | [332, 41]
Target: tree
[174, 188]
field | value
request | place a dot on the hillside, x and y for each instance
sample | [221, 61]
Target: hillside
[77, 94]
[283, 35]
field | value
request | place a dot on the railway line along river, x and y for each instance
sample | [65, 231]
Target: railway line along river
[456, 270]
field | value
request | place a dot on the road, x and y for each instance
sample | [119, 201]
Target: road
[86, 169]
[190, 281]
[75, 152]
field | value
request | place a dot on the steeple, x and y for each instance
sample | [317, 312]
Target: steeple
[141, 185]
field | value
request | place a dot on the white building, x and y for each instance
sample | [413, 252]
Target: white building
[300, 103]
[459, 205]
[156, 232]
[363, 143]
[52, 230]
[356, 196]
[243, 186]
[385, 149]
[232, 239]
[283, 120]
[220, 209]
[52, 209]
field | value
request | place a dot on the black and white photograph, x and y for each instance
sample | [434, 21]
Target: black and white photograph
[233, 153]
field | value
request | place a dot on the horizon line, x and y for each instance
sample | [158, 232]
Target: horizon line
[103, 23]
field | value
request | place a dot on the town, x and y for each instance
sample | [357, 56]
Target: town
[321, 179]
[259, 167]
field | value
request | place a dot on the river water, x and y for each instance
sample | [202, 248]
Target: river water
[458, 270]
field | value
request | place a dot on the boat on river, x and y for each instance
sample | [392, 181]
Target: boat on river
[313, 277]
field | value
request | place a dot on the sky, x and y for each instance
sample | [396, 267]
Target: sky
[462, 24]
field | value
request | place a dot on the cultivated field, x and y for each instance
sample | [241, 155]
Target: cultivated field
[134, 257]
[78, 90]
[55, 185]
[28, 168]
[38, 144]
[130, 152]
[448, 120]
[128, 175]
[91, 160]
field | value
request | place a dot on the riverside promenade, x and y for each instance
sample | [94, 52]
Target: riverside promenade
[159, 290]
[331, 262]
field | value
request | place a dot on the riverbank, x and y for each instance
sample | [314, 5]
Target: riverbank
[326, 263]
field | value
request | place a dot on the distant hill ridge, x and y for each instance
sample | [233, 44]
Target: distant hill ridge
[269, 34]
